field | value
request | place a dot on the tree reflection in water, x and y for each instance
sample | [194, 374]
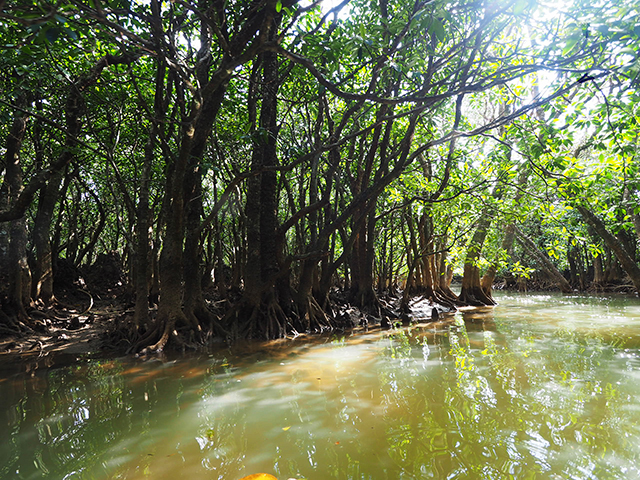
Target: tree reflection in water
[480, 395]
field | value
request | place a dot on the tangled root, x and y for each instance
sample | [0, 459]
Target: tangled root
[475, 297]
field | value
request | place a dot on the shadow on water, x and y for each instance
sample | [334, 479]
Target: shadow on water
[538, 387]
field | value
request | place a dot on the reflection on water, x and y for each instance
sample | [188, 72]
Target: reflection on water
[541, 386]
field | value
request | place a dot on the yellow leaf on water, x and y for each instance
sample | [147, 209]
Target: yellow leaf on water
[259, 476]
[286, 428]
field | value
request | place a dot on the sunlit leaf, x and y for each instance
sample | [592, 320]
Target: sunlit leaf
[520, 7]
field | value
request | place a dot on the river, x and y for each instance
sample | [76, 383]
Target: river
[541, 386]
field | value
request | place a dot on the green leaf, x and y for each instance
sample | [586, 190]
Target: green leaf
[437, 28]
[120, 4]
[73, 35]
[52, 34]
[572, 41]
[520, 7]
[278, 6]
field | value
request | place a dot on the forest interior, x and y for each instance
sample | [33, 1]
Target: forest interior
[178, 174]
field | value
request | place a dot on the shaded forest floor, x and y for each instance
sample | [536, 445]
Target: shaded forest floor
[86, 339]
[64, 330]
[78, 322]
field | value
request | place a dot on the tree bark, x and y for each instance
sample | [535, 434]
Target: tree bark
[544, 261]
[267, 293]
[626, 261]
[630, 207]
[143, 266]
[15, 277]
[472, 292]
[44, 262]
[598, 272]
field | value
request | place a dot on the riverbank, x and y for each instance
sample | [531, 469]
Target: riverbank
[78, 331]
[61, 337]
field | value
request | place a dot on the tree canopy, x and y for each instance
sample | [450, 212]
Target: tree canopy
[256, 167]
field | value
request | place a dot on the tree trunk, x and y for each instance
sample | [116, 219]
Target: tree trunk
[427, 271]
[195, 307]
[143, 240]
[472, 292]
[143, 263]
[266, 290]
[15, 276]
[544, 262]
[49, 194]
[486, 282]
[626, 261]
[361, 261]
[171, 263]
[598, 272]
[43, 265]
[630, 207]
[50, 191]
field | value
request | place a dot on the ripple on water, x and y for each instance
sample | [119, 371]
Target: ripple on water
[543, 386]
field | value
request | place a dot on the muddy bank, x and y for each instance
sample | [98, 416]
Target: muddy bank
[69, 333]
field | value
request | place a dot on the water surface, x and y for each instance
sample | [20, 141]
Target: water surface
[541, 386]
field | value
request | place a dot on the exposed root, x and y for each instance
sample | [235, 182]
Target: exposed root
[268, 319]
[159, 346]
[276, 321]
[367, 301]
[312, 317]
[474, 297]
[9, 330]
[186, 328]
[88, 309]
[202, 316]
[13, 325]
[446, 297]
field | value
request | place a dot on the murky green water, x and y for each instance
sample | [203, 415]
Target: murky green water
[539, 387]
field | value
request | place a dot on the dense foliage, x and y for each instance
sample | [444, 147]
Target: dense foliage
[274, 152]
